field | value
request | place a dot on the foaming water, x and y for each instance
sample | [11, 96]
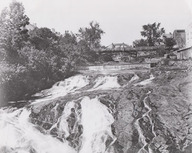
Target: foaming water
[105, 83]
[96, 121]
[147, 81]
[135, 77]
[62, 88]
[63, 124]
[18, 135]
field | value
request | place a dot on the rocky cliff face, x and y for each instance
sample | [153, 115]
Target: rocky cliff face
[167, 127]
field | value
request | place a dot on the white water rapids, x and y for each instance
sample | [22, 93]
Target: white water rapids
[19, 135]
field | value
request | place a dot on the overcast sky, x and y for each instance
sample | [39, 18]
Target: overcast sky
[121, 20]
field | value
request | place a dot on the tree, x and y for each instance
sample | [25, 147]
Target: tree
[13, 32]
[75, 52]
[91, 35]
[153, 33]
[140, 43]
[43, 38]
[169, 42]
[89, 40]
[70, 49]
[69, 38]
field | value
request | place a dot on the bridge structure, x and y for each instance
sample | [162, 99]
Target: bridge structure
[118, 48]
[123, 51]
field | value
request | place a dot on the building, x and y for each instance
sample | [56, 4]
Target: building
[189, 36]
[180, 38]
[183, 39]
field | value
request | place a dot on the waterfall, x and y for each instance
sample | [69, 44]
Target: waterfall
[62, 88]
[96, 121]
[105, 82]
[18, 134]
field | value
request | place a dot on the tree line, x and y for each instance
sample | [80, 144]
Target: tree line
[32, 59]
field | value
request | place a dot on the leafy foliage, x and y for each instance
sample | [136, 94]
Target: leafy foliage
[140, 43]
[169, 42]
[32, 60]
[13, 32]
[91, 35]
[153, 34]
[69, 49]
[43, 38]
[89, 41]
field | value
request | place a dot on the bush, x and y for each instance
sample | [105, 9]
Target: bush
[38, 70]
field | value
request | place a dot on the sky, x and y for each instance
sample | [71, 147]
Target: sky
[121, 20]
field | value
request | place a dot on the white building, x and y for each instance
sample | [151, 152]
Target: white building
[189, 36]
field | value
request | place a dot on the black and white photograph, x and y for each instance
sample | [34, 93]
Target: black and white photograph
[95, 76]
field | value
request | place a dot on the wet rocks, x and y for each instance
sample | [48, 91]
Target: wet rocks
[169, 106]
[170, 114]
[47, 120]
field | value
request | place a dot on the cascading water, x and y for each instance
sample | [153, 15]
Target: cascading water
[104, 83]
[147, 81]
[142, 138]
[96, 121]
[19, 135]
[70, 125]
[62, 88]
